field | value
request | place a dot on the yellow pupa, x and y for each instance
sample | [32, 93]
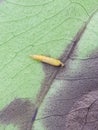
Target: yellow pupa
[48, 60]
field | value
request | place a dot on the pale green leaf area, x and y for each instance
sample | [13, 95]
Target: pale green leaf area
[89, 41]
[37, 27]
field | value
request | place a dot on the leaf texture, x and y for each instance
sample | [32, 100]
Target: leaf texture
[36, 98]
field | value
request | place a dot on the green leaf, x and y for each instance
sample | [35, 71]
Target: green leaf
[43, 27]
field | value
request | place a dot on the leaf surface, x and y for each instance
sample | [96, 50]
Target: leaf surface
[49, 28]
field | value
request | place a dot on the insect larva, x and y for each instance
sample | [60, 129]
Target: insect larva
[47, 60]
